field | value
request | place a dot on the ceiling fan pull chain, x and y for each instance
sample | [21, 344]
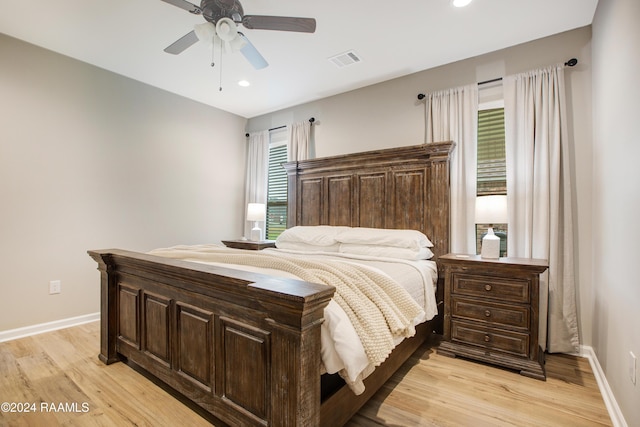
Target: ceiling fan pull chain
[220, 76]
[213, 44]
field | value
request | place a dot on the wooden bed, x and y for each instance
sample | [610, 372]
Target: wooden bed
[243, 347]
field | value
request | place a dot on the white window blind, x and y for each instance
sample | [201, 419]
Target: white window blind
[492, 171]
[276, 221]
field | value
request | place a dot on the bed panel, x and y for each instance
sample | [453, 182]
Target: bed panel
[245, 381]
[156, 327]
[339, 191]
[194, 344]
[312, 192]
[409, 199]
[371, 192]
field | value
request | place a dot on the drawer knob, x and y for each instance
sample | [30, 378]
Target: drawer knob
[487, 287]
[487, 338]
[487, 313]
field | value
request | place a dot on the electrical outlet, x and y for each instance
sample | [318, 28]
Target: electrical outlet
[632, 367]
[54, 287]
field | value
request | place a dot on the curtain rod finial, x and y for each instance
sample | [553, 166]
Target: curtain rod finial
[572, 62]
[421, 96]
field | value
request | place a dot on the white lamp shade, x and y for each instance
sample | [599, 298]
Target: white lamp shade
[226, 29]
[205, 32]
[491, 209]
[256, 212]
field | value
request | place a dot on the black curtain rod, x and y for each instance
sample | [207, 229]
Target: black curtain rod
[570, 63]
[490, 81]
[311, 120]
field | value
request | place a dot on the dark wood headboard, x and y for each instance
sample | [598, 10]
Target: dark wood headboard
[400, 188]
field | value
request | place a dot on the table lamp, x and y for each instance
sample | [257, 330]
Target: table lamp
[491, 210]
[256, 212]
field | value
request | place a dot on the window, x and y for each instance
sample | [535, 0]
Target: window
[276, 220]
[492, 170]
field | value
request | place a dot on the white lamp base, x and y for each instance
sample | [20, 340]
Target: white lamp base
[490, 245]
[256, 233]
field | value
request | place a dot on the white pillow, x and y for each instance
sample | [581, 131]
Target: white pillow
[305, 247]
[411, 239]
[386, 251]
[318, 235]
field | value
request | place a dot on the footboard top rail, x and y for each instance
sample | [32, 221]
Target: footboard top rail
[215, 281]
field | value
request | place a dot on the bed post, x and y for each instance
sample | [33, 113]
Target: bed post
[108, 307]
[295, 364]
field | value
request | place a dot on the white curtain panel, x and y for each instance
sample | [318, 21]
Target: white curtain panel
[539, 195]
[257, 175]
[299, 136]
[452, 115]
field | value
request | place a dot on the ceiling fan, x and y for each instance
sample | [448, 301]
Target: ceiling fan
[223, 17]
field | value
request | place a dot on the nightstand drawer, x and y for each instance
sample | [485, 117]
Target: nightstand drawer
[490, 313]
[504, 341]
[491, 287]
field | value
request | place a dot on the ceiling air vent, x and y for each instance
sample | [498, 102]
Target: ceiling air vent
[344, 59]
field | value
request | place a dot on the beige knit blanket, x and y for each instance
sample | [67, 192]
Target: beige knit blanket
[378, 307]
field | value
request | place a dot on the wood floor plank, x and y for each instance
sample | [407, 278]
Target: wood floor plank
[429, 390]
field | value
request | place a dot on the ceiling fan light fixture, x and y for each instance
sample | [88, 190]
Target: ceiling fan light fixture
[461, 3]
[235, 45]
[205, 32]
[226, 29]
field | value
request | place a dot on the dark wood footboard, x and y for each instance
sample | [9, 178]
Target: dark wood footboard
[244, 347]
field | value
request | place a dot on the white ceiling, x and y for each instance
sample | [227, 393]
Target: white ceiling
[392, 38]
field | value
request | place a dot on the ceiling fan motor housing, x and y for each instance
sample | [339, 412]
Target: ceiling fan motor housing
[213, 10]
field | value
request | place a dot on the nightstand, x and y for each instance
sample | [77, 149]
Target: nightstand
[491, 309]
[250, 244]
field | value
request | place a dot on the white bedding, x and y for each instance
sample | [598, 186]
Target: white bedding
[342, 350]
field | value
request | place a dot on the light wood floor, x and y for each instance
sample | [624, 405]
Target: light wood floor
[62, 367]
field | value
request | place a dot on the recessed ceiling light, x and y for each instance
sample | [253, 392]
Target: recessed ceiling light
[243, 83]
[461, 3]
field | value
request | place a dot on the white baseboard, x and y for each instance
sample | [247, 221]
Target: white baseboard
[607, 395]
[13, 334]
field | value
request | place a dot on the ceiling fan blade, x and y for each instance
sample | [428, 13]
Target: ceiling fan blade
[182, 43]
[252, 55]
[183, 4]
[279, 23]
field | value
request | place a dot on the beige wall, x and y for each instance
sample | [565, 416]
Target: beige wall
[616, 197]
[388, 114]
[90, 159]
